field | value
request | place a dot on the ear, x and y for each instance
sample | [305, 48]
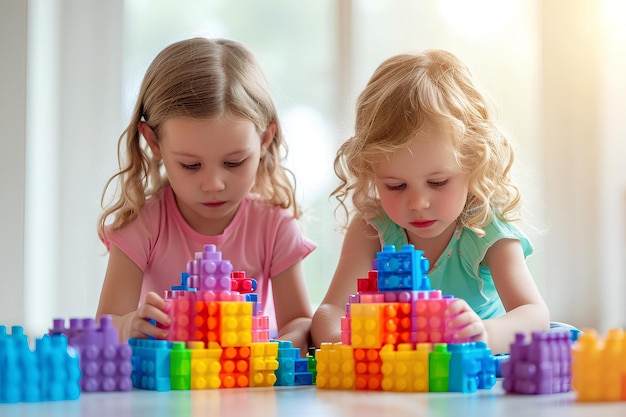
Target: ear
[148, 134]
[268, 137]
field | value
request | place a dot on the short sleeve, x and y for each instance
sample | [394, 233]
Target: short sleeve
[473, 248]
[289, 242]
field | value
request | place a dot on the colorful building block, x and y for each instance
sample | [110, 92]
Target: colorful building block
[263, 364]
[541, 366]
[335, 366]
[104, 362]
[599, 366]
[150, 364]
[50, 372]
[402, 270]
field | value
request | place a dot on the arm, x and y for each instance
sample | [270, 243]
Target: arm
[293, 308]
[357, 253]
[526, 310]
[120, 295]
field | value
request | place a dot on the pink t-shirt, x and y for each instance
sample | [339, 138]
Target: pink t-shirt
[262, 240]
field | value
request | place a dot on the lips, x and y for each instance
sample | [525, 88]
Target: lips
[422, 224]
[214, 204]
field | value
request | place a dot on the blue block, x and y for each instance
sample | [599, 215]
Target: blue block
[303, 378]
[404, 270]
[151, 364]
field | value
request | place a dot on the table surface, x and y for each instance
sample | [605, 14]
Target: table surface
[311, 401]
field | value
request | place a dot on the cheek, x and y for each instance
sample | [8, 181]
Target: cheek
[390, 202]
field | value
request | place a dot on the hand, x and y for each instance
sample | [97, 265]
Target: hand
[137, 324]
[464, 323]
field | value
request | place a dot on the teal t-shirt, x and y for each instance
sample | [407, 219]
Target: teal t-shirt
[460, 271]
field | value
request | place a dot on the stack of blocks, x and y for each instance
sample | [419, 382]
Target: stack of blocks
[396, 337]
[104, 361]
[218, 338]
[49, 372]
[599, 366]
[542, 366]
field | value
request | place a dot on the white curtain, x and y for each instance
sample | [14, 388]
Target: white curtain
[73, 120]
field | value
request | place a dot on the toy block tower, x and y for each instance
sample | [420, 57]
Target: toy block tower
[398, 335]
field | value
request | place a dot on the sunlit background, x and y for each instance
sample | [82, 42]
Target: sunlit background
[71, 71]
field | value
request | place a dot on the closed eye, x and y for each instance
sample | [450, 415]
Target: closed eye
[190, 166]
[437, 183]
[397, 187]
[230, 164]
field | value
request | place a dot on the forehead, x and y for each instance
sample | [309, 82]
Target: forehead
[431, 152]
[215, 135]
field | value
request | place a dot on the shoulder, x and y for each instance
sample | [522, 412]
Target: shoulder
[475, 247]
[148, 218]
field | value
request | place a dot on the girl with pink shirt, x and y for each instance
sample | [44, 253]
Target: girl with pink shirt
[201, 163]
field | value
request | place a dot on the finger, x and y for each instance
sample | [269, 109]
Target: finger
[143, 328]
[473, 331]
[154, 299]
[150, 312]
[457, 306]
[462, 319]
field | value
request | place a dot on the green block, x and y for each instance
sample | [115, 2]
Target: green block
[439, 368]
[180, 367]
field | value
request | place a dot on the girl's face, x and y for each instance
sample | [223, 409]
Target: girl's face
[211, 165]
[422, 188]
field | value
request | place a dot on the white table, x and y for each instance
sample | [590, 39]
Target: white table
[310, 401]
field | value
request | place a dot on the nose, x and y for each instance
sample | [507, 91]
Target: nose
[212, 181]
[419, 200]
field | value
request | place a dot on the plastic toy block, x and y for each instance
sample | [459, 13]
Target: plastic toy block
[402, 270]
[312, 364]
[599, 366]
[181, 314]
[104, 362]
[439, 368]
[208, 272]
[260, 329]
[366, 326]
[206, 322]
[367, 367]
[335, 366]
[396, 323]
[50, 372]
[471, 367]
[541, 366]
[401, 296]
[263, 364]
[287, 356]
[241, 284]
[235, 371]
[183, 286]
[369, 284]
[205, 365]
[235, 324]
[180, 367]
[346, 331]
[430, 320]
[371, 298]
[404, 370]
[150, 364]
[59, 368]
[292, 369]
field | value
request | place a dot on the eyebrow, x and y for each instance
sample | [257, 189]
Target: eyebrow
[231, 154]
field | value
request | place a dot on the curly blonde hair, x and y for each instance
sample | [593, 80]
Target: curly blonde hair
[198, 78]
[404, 93]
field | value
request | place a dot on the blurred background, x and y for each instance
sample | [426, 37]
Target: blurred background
[71, 69]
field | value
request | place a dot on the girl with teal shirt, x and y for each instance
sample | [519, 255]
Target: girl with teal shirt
[428, 166]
